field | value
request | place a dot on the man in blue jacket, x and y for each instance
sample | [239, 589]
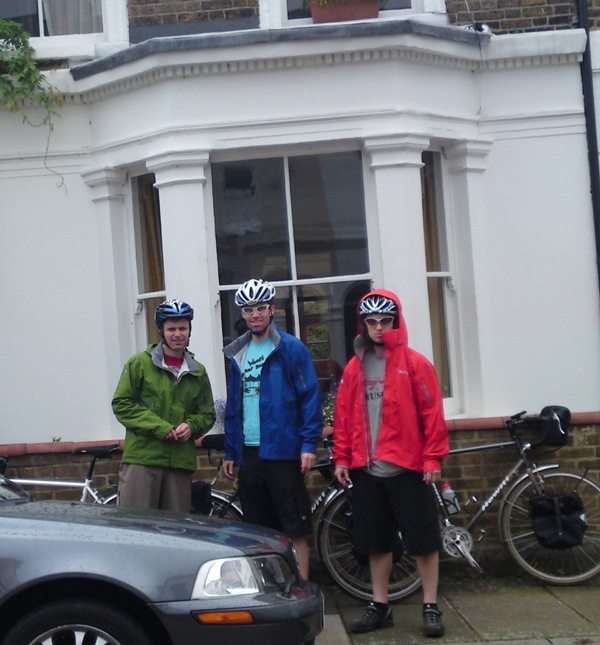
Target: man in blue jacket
[273, 420]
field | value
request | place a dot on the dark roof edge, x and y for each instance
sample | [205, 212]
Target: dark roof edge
[261, 36]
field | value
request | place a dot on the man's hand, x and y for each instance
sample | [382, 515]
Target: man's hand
[308, 460]
[228, 469]
[181, 433]
[342, 475]
[432, 476]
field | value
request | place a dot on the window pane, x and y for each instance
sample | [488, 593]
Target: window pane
[25, 12]
[439, 333]
[64, 17]
[251, 220]
[328, 326]
[149, 251]
[436, 260]
[330, 233]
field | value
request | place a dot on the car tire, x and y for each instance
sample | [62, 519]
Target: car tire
[74, 620]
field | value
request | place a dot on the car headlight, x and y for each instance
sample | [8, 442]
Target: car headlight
[238, 576]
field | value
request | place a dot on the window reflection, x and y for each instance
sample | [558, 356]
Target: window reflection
[330, 233]
[251, 220]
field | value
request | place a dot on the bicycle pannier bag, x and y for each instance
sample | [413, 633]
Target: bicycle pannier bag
[554, 426]
[558, 520]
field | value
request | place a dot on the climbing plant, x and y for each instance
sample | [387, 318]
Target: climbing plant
[21, 81]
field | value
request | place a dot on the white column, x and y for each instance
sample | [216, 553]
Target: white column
[108, 187]
[188, 250]
[396, 162]
[466, 164]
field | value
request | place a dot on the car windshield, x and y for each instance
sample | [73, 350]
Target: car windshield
[10, 492]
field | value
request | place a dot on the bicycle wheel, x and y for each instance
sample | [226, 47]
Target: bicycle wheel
[222, 507]
[554, 566]
[335, 552]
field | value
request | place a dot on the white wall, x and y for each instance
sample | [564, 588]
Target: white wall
[519, 212]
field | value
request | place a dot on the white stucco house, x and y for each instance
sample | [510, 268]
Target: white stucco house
[445, 163]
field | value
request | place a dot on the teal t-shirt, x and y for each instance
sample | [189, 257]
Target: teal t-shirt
[256, 355]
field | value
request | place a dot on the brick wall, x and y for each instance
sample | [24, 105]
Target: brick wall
[516, 16]
[502, 16]
[154, 12]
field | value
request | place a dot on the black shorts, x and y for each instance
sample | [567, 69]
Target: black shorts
[273, 494]
[382, 506]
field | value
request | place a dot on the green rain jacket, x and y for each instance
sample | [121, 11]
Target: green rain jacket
[150, 401]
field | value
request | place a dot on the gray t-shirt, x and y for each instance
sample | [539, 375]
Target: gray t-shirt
[374, 381]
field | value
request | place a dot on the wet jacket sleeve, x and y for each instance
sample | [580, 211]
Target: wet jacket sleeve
[342, 432]
[430, 408]
[308, 394]
[129, 409]
[203, 417]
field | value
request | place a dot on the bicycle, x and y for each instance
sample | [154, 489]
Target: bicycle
[88, 491]
[560, 566]
[350, 572]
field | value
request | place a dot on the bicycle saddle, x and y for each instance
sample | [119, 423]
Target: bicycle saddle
[97, 451]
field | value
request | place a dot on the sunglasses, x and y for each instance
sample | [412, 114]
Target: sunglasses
[260, 309]
[384, 322]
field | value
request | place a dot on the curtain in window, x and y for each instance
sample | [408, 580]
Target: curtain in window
[65, 17]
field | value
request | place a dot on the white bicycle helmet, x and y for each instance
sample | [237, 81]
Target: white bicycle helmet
[376, 304]
[253, 292]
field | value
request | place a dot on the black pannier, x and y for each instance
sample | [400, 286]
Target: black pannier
[559, 520]
[554, 423]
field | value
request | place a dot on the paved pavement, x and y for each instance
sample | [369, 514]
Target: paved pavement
[495, 607]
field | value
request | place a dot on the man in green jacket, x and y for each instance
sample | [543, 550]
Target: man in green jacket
[164, 400]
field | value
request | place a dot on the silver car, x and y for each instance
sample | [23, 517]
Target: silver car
[106, 575]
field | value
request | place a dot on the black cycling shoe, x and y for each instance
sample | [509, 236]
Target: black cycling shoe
[432, 622]
[375, 617]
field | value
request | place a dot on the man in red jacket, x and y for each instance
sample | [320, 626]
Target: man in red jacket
[390, 440]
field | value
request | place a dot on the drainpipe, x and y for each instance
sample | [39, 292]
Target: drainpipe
[590, 120]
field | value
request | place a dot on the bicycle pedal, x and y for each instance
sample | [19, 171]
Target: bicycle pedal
[481, 535]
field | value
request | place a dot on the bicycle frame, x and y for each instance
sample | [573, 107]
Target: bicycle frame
[87, 488]
[523, 464]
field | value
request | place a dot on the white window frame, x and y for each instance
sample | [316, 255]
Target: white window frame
[453, 405]
[115, 36]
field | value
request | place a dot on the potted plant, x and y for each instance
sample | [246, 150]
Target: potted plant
[338, 10]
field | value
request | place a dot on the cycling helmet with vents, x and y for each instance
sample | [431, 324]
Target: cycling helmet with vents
[253, 292]
[173, 309]
[377, 304]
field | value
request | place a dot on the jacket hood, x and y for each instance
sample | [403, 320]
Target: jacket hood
[396, 336]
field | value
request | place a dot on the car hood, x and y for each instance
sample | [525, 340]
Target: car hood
[229, 536]
[154, 554]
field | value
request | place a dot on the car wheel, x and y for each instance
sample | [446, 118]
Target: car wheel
[77, 621]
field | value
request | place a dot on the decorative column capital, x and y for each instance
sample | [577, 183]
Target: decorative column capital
[107, 184]
[396, 150]
[468, 155]
[179, 167]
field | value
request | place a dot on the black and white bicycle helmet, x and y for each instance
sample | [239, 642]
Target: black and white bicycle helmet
[377, 304]
[254, 291]
[173, 309]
